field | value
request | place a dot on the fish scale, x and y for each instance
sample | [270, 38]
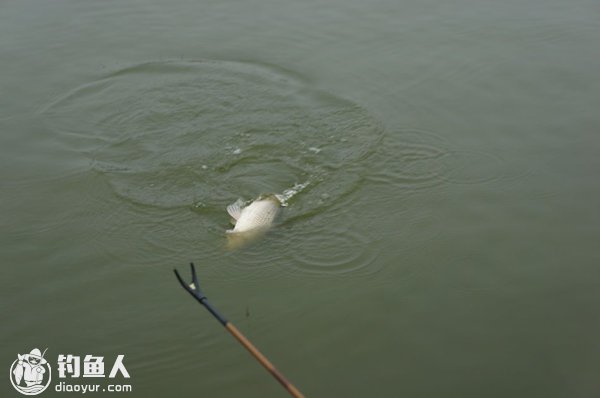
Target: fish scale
[259, 214]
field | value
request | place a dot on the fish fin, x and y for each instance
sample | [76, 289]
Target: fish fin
[235, 209]
[18, 372]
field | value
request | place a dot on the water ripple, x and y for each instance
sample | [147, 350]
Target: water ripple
[419, 159]
[412, 161]
[166, 134]
[343, 251]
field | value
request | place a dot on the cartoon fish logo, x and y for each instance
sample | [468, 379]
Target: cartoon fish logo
[30, 374]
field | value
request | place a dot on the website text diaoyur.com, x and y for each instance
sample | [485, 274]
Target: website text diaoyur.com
[85, 388]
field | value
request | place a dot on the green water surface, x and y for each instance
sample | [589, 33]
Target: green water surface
[441, 237]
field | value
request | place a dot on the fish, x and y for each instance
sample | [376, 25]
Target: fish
[252, 221]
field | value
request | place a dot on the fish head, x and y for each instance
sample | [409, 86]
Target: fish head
[269, 197]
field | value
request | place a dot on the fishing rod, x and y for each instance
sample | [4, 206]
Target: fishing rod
[194, 289]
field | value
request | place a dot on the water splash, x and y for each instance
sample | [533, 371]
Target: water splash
[289, 193]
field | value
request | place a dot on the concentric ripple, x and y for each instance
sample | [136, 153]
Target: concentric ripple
[343, 251]
[419, 159]
[335, 243]
[323, 248]
[413, 160]
[171, 134]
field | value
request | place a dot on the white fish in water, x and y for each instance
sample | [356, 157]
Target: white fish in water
[253, 220]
